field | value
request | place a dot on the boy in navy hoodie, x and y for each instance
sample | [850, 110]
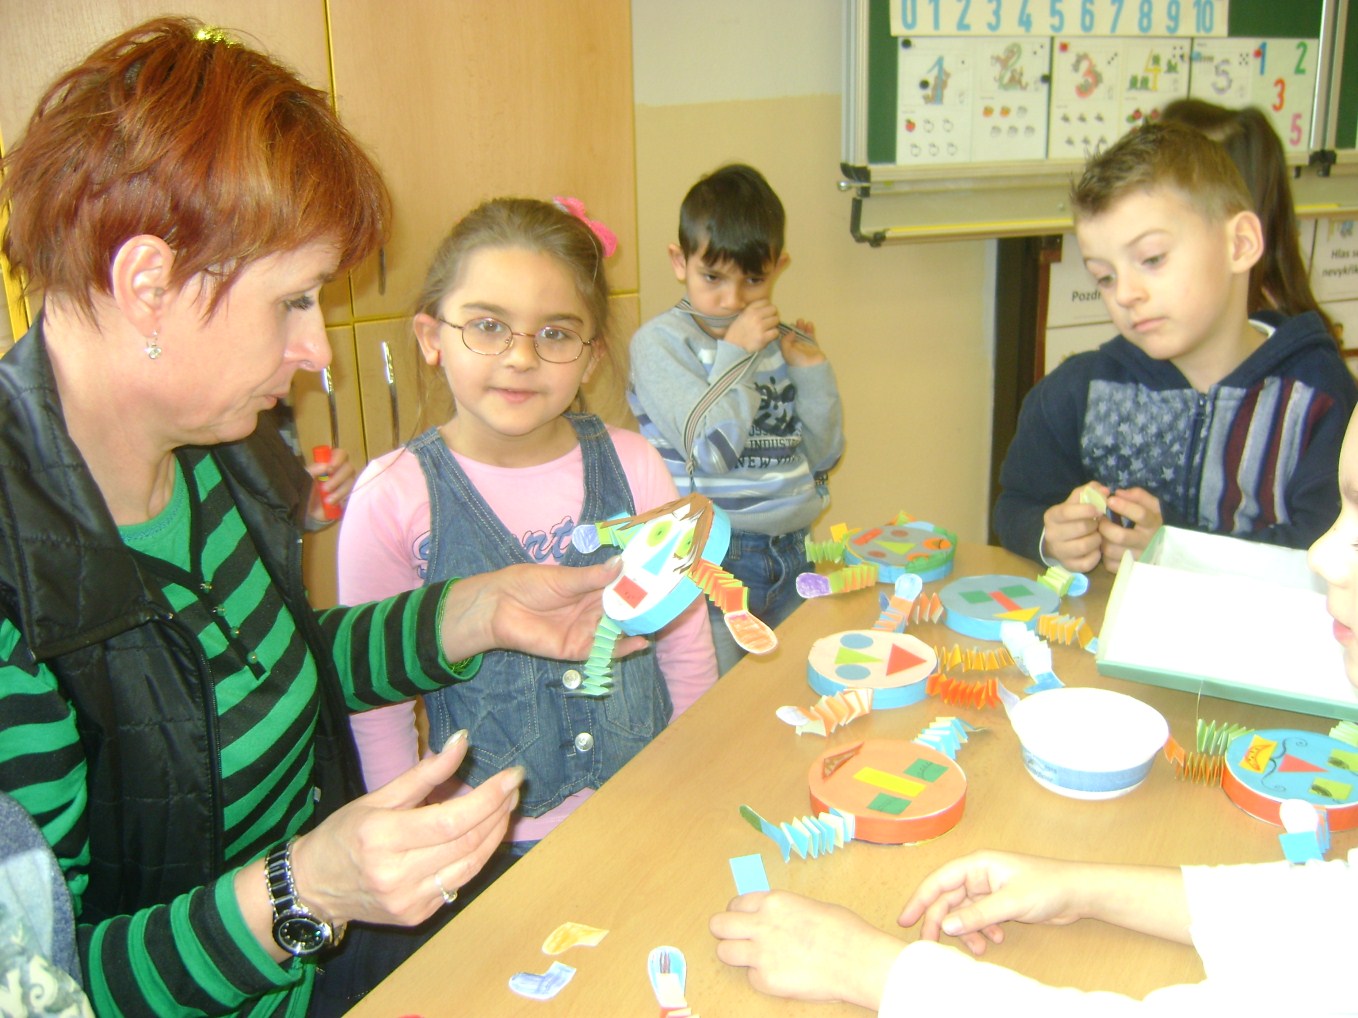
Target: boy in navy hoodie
[1198, 414]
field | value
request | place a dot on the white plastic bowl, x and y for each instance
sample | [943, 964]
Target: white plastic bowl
[1088, 743]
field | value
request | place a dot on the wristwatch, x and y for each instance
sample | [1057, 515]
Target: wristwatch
[296, 929]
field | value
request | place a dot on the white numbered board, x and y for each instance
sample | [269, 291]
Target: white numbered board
[1060, 17]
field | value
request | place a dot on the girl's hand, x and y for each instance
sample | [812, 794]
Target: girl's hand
[755, 327]
[548, 611]
[800, 352]
[339, 475]
[377, 858]
[805, 949]
[1141, 509]
[970, 897]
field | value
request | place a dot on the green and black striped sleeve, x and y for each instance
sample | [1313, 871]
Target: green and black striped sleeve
[389, 650]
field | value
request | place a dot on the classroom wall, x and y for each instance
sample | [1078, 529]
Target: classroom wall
[908, 327]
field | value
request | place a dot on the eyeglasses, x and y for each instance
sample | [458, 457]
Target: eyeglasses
[491, 337]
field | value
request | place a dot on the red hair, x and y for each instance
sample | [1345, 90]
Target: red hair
[175, 130]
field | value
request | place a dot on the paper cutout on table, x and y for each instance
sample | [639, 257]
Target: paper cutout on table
[975, 606]
[1064, 582]
[903, 546]
[972, 659]
[808, 836]
[841, 581]
[1032, 654]
[1306, 831]
[668, 972]
[572, 934]
[946, 735]
[978, 693]
[544, 986]
[1346, 732]
[893, 665]
[831, 762]
[897, 792]
[1265, 767]
[1068, 630]
[669, 556]
[1205, 762]
[829, 712]
[748, 871]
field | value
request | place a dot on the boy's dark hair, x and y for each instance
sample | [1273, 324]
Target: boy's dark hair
[1163, 155]
[732, 215]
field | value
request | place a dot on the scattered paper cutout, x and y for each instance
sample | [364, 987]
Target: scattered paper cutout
[669, 557]
[668, 972]
[1032, 654]
[810, 837]
[831, 762]
[945, 734]
[978, 693]
[829, 712]
[572, 934]
[1306, 831]
[1068, 630]
[544, 986]
[972, 659]
[1204, 763]
[841, 581]
[748, 871]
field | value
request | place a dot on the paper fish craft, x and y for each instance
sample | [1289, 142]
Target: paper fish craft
[670, 555]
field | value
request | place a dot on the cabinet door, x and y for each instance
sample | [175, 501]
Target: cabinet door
[464, 100]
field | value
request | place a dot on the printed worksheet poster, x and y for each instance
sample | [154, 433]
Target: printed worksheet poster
[933, 122]
[1277, 75]
[1009, 116]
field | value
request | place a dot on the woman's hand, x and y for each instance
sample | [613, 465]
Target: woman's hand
[549, 611]
[805, 949]
[378, 857]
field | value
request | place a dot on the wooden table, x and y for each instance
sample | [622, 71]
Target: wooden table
[647, 857]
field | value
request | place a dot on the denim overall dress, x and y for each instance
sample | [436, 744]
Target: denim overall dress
[519, 709]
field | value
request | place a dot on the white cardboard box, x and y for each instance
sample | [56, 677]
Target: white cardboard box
[1226, 618]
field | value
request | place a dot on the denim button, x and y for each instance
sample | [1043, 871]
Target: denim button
[572, 679]
[584, 742]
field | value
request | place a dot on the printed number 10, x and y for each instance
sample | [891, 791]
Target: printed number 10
[1204, 15]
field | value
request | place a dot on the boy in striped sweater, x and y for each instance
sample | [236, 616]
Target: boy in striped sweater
[1198, 414]
[742, 408]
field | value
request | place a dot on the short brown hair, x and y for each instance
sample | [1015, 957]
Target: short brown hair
[179, 131]
[1162, 155]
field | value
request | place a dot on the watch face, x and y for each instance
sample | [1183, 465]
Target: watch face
[299, 934]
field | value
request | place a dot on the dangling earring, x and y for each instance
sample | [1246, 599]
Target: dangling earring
[153, 346]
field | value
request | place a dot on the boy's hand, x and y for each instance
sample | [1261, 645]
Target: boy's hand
[1071, 534]
[755, 327]
[339, 475]
[1140, 508]
[800, 352]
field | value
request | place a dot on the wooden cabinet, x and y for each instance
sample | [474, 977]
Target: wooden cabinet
[459, 101]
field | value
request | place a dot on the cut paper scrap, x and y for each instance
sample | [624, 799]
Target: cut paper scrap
[1090, 495]
[947, 735]
[544, 986]
[1064, 582]
[1306, 831]
[841, 581]
[669, 557]
[1068, 630]
[572, 934]
[1032, 654]
[976, 606]
[897, 607]
[668, 972]
[1267, 766]
[893, 665]
[978, 693]
[808, 836]
[1205, 762]
[897, 792]
[972, 659]
[829, 712]
[748, 872]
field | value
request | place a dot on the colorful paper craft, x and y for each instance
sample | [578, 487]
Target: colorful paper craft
[972, 659]
[978, 693]
[668, 972]
[669, 557]
[903, 546]
[1090, 495]
[571, 934]
[544, 986]
[1265, 767]
[1032, 654]
[893, 665]
[829, 712]
[1064, 582]
[748, 871]
[1068, 630]
[810, 837]
[1306, 831]
[976, 606]
[946, 735]
[897, 792]
[841, 581]
[1206, 761]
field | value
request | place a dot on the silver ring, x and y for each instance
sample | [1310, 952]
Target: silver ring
[448, 899]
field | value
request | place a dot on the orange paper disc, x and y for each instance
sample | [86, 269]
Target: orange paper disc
[898, 792]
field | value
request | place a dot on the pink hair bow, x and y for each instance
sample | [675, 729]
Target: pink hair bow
[607, 238]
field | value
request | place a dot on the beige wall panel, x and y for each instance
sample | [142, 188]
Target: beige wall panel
[903, 325]
[463, 100]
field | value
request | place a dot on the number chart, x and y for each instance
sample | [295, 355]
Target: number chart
[1276, 75]
[1060, 17]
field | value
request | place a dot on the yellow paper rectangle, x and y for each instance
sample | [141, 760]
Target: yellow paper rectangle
[889, 782]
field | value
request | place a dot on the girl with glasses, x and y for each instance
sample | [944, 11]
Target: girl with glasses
[514, 314]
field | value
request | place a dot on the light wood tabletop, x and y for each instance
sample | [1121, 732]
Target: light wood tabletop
[646, 858]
